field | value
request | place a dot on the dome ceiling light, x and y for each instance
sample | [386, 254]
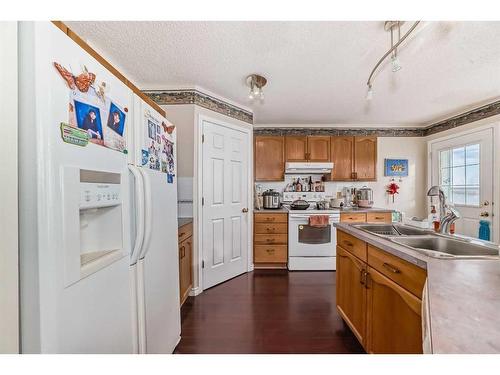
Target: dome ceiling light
[256, 83]
[394, 27]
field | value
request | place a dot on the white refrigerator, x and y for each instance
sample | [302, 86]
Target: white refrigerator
[98, 228]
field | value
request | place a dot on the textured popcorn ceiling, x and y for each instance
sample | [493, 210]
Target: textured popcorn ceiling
[316, 70]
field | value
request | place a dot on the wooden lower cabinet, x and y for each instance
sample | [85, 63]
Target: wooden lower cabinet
[383, 312]
[270, 240]
[185, 262]
[351, 292]
[394, 318]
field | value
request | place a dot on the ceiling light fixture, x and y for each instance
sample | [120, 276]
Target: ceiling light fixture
[390, 26]
[256, 83]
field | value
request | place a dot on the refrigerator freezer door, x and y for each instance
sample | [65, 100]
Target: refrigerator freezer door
[94, 313]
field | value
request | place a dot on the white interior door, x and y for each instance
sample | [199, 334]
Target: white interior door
[463, 167]
[225, 195]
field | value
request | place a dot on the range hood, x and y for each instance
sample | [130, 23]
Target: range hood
[308, 168]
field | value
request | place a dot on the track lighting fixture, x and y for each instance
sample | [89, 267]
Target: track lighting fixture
[392, 27]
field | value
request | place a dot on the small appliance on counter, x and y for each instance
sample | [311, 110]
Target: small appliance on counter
[349, 194]
[271, 199]
[364, 197]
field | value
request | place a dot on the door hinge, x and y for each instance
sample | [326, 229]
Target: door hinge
[203, 138]
[202, 201]
[202, 264]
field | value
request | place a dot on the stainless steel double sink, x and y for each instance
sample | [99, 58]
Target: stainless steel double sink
[433, 244]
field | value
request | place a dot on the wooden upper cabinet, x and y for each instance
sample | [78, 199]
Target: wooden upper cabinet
[318, 148]
[394, 323]
[351, 292]
[269, 154]
[365, 158]
[342, 150]
[296, 148]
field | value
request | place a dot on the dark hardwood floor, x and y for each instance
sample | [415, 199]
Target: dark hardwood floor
[267, 311]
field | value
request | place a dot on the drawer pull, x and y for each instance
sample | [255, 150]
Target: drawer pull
[391, 268]
[379, 218]
[348, 243]
[270, 239]
[270, 229]
[270, 218]
[182, 234]
[270, 250]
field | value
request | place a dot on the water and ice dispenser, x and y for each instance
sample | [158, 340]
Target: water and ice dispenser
[93, 221]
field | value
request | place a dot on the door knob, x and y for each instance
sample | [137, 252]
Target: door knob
[486, 203]
[244, 210]
[484, 214]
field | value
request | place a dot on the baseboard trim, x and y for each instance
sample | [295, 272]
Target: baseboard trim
[195, 291]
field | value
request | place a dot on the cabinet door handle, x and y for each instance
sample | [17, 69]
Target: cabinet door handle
[183, 253]
[367, 280]
[391, 268]
[362, 277]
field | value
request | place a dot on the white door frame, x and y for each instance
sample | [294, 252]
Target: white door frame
[198, 190]
[494, 126]
[9, 249]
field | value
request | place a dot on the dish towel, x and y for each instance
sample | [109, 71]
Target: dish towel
[319, 220]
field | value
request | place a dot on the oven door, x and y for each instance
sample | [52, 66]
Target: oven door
[305, 240]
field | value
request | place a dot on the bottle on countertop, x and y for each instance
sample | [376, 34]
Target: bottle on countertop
[434, 218]
[310, 184]
[299, 185]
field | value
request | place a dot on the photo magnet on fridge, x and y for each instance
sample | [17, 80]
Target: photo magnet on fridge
[145, 157]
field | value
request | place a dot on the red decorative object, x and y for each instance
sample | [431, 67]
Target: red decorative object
[392, 189]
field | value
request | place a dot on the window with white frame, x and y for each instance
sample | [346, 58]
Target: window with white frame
[459, 174]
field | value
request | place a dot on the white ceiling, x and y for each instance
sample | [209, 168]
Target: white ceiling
[316, 71]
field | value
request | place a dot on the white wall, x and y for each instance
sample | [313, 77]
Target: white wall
[9, 304]
[412, 196]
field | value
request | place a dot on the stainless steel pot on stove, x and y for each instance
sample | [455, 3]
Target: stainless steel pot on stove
[271, 199]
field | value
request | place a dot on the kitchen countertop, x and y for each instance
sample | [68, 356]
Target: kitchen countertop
[183, 221]
[348, 209]
[464, 297]
[364, 210]
[282, 209]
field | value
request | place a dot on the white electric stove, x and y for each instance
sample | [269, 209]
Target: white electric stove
[310, 247]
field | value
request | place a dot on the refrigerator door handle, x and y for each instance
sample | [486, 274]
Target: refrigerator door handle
[148, 213]
[139, 202]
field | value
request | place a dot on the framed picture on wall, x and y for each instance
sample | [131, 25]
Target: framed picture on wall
[396, 167]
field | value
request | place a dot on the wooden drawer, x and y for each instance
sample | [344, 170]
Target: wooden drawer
[271, 228]
[405, 274]
[185, 231]
[270, 253]
[270, 218]
[271, 239]
[379, 217]
[352, 244]
[349, 217]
